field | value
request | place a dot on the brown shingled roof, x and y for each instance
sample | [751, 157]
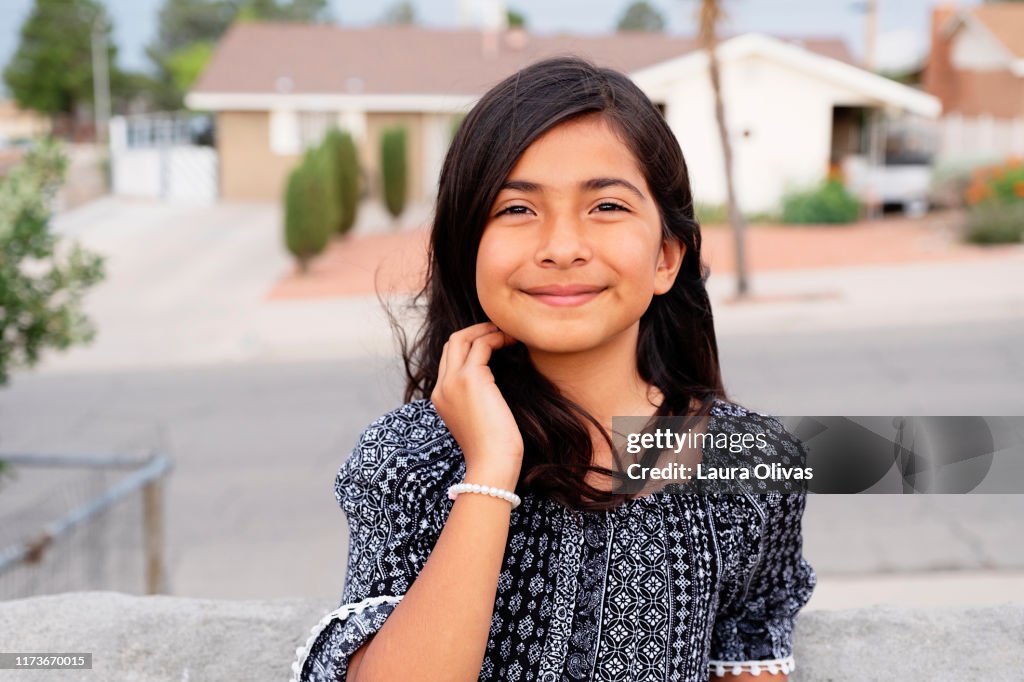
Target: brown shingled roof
[323, 58]
[1006, 22]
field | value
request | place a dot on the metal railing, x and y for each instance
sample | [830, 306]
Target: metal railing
[39, 555]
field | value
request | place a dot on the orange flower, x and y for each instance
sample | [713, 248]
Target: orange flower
[1018, 188]
[977, 193]
[1014, 162]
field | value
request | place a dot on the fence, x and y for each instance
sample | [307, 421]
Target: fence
[166, 156]
[980, 137]
[67, 525]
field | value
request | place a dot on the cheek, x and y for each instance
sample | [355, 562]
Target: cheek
[636, 261]
[492, 269]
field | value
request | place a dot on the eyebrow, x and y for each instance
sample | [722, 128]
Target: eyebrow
[588, 185]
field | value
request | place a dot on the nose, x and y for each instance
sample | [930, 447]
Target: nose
[563, 242]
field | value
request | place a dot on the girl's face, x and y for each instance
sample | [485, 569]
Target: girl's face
[575, 213]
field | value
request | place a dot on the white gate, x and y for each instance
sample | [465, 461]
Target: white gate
[162, 156]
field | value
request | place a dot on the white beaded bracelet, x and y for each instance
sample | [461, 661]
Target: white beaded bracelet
[486, 490]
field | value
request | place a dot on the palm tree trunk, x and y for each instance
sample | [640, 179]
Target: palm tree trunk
[710, 15]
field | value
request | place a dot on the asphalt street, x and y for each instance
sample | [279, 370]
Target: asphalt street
[250, 506]
[258, 402]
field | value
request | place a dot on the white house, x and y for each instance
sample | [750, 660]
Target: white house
[796, 108]
[791, 113]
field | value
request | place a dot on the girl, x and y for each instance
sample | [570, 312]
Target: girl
[564, 286]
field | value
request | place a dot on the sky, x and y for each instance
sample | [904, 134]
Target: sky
[903, 25]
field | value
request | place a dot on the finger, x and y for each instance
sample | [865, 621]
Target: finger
[482, 348]
[460, 341]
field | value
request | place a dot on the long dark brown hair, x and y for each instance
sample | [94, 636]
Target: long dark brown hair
[676, 350]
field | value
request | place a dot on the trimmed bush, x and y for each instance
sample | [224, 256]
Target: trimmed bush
[341, 151]
[829, 203]
[325, 161]
[348, 181]
[309, 220]
[393, 169]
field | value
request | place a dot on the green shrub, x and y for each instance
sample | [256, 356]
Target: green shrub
[1001, 183]
[325, 160]
[341, 153]
[44, 277]
[309, 220]
[995, 223]
[393, 169]
[348, 182]
[828, 203]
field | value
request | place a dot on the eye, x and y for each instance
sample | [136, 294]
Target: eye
[515, 209]
[611, 206]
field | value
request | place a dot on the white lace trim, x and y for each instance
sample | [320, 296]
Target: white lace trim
[775, 665]
[341, 612]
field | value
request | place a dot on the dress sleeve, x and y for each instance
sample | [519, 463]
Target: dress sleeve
[393, 495]
[754, 623]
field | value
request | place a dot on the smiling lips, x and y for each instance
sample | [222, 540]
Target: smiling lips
[565, 294]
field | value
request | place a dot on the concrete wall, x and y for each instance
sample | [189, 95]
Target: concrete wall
[165, 639]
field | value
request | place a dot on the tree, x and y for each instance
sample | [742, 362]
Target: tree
[400, 13]
[187, 63]
[711, 15]
[515, 18]
[306, 11]
[181, 25]
[51, 70]
[189, 30]
[40, 291]
[641, 16]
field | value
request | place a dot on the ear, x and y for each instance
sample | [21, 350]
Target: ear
[670, 259]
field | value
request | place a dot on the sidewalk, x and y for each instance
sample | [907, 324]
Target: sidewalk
[398, 257]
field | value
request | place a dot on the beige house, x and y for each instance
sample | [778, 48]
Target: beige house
[276, 88]
[19, 124]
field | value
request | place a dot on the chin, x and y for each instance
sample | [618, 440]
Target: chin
[561, 343]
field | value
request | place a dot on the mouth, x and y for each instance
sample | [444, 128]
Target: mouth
[567, 299]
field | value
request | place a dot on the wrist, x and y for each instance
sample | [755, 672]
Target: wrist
[488, 490]
[505, 480]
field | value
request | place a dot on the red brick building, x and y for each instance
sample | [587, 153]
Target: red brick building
[976, 66]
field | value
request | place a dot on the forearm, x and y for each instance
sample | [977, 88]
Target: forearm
[439, 630]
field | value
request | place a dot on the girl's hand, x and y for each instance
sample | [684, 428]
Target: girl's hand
[468, 400]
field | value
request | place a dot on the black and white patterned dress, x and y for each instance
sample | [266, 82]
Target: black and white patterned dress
[659, 589]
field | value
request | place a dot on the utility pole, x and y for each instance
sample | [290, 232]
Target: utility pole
[870, 33]
[100, 78]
